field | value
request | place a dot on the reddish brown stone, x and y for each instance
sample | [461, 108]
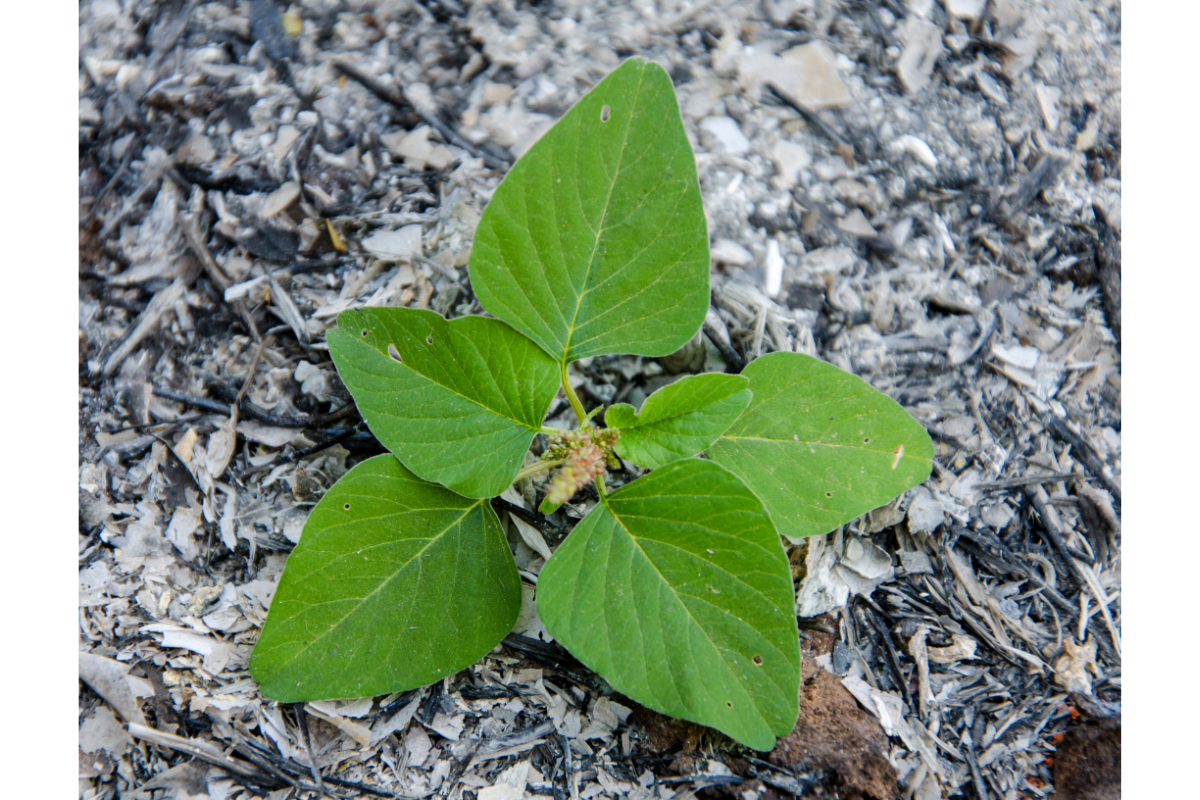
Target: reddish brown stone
[1087, 765]
[835, 734]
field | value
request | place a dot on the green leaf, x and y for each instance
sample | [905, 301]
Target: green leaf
[679, 420]
[596, 241]
[821, 446]
[395, 583]
[458, 402]
[676, 589]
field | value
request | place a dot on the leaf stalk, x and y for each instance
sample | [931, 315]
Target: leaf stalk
[572, 398]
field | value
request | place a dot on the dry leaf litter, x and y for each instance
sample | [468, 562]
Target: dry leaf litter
[926, 194]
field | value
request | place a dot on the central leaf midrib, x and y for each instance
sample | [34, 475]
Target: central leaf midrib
[797, 442]
[695, 622]
[455, 392]
[603, 218]
[382, 584]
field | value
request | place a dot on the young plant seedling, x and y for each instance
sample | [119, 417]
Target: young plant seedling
[675, 587]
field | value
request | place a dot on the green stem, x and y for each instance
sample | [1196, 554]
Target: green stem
[600, 487]
[534, 469]
[572, 398]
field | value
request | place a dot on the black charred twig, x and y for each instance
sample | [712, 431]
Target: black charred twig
[734, 363]
[302, 720]
[316, 448]
[195, 240]
[1010, 566]
[250, 754]
[535, 519]
[781, 778]
[397, 99]
[202, 751]
[250, 409]
[1028, 480]
[893, 659]
[841, 146]
[1085, 453]
[192, 400]
[1054, 537]
[976, 777]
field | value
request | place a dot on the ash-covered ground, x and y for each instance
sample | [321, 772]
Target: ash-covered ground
[926, 194]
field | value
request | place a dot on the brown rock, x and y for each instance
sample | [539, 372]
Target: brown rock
[1087, 765]
[834, 734]
[666, 735]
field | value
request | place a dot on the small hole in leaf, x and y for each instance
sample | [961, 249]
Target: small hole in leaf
[364, 331]
[829, 494]
[605, 113]
[757, 660]
[729, 704]
[867, 440]
[346, 507]
[429, 339]
[394, 353]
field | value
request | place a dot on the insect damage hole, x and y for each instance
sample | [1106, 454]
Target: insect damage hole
[897, 456]
[829, 494]
[757, 660]
[394, 353]
[429, 339]
[365, 331]
[346, 507]
[605, 114]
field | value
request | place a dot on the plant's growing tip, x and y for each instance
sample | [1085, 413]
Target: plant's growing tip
[584, 454]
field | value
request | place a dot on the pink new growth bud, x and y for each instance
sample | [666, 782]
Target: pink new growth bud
[586, 452]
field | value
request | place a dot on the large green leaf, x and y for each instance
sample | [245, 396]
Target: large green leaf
[596, 242]
[679, 420]
[677, 590]
[395, 583]
[458, 402]
[821, 446]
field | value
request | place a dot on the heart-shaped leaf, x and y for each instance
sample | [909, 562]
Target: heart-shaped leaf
[677, 590]
[821, 446]
[596, 242]
[679, 420]
[395, 583]
[458, 402]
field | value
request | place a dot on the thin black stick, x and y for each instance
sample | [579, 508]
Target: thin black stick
[893, 660]
[532, 517]
[1082, 450]
[843, 148]
[316, 448]
[976, 777]
[302, 721]
[252, 410]
[1016, 568]
[192, 400]
[397, 99]
[1053, 537]
[734, 363]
